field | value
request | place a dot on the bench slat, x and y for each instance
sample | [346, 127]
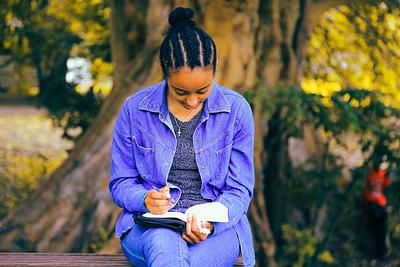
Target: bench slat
[15, 259]
[62, 259]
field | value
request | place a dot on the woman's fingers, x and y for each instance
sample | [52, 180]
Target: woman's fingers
[158, 209]
[192, 231]
[187, 239]
[189, 228]
[192, 238]
[158, 202]
[196, 231]
[195, 225]
[165, 189]
[189, 225]
[158, 195]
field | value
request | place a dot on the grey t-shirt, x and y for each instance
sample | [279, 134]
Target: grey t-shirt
[184, 172]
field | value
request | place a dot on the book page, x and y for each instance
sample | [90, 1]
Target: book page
[170, 214]
[211, 212]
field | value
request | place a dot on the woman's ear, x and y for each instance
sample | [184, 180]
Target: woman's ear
[217, 61]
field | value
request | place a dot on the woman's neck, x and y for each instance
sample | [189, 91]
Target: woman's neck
[181, 112]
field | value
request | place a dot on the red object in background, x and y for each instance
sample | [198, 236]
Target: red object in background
[373, 188]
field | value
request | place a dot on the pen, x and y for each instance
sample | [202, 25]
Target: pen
[171, 200]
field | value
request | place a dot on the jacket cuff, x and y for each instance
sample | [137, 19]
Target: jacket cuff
[143, 206]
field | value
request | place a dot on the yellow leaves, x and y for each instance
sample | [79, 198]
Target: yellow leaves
[94, 2]
[391, 80]
[361, 23]
[31, 150]
[339, 17]
[300, 246]
[33, 90]
[362, 80]
[391, 22]
[34, 5]
[106, 12]
[94, 33]
[355, 48]
[102, 76]
[320, 87]
[75, 26]
[354, 103]
[100, 66]
[365, 102]
[374, 17]
[315, 42]
[9, 16]
[326, 257]
[81, 18]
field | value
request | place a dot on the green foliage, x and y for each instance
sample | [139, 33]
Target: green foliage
[103, 238]
[319, 182]
[300, 247]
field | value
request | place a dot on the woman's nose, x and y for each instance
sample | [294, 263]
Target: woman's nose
[192, 101]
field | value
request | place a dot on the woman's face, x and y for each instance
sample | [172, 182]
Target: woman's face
[188, 88]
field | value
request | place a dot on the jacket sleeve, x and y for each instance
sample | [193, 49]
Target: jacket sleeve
[239, 186]
[125, 184]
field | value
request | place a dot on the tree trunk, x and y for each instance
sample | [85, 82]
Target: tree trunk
[256, 40]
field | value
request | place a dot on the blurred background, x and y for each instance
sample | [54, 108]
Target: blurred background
[323, 79]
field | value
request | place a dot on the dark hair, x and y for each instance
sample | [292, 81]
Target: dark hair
[376, 163]
[185, 44]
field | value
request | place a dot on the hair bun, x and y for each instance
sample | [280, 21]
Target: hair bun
[181, 17]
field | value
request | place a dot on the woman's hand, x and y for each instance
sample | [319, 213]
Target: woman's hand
[193, 234]
[158, 202]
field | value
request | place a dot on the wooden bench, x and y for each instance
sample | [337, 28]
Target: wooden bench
[67, 259]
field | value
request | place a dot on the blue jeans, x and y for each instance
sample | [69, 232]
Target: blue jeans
[164, 247]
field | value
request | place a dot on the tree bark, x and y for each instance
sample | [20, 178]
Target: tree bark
[259, 42]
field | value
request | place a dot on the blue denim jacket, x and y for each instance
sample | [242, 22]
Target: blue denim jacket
[144, 144]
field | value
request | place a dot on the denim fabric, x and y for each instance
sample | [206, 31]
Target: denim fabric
[144, 144]
[164, 247]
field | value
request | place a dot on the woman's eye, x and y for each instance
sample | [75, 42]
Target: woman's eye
[180, 92]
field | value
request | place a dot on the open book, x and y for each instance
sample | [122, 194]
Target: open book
[210, 212]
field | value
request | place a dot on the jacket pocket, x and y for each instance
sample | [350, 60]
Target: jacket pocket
[222, 150]
[223, 157]
[144, 159]
[218, 161]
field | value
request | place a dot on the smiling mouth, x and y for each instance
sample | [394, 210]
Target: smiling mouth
[192, 108]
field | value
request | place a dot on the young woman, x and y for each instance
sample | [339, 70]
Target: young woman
[184, 141]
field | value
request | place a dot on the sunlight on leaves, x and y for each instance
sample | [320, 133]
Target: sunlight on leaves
[32, 150]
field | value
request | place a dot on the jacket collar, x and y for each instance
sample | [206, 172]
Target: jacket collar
[156, 101]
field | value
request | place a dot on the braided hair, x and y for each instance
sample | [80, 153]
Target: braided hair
[185, 44]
